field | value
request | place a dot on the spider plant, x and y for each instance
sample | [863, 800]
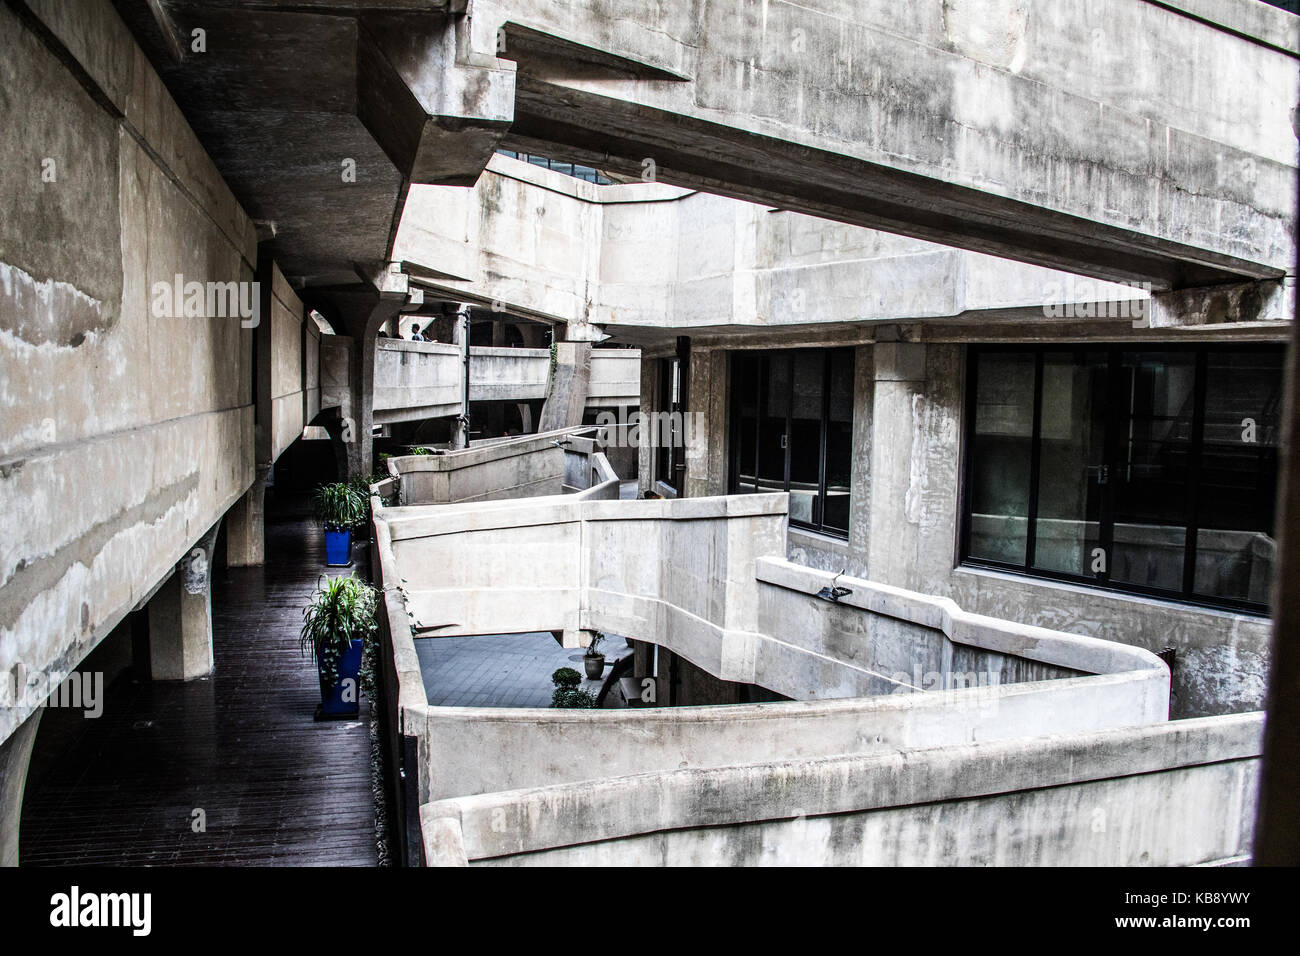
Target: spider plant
[342, 611]
[339, 506]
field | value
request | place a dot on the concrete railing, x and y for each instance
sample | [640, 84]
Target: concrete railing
[615, 378]
[705, 578]
[1168, 794]
[415, 380]
[550, 463]
[506, 374]
[587, 472]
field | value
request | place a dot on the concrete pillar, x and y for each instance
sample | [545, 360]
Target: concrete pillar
[15, 755]
[915, 419]
[180, 617]
[645, 452]
[246, 525]
[1277, 824]
[566, 399]
[704, 424]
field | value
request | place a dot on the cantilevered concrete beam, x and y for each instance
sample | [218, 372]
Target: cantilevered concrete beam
[927, 120]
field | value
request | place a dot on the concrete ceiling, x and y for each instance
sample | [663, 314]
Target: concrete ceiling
[315, 115]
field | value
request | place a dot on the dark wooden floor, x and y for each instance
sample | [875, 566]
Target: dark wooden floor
[277, 787]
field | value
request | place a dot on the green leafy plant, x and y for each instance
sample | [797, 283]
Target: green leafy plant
[567, 693]
[419, 450]
[573, 698]
[566, 677]
[342, 610]
[339, 506]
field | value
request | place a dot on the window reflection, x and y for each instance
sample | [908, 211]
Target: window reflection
[1152, 470]
[792, 415]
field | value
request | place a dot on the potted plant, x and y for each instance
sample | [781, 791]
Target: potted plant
[361, 530]
[339, 508]
[335, 626]
[567, 692]
[593, 660]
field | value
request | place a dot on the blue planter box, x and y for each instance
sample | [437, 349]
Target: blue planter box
[338, 548]
[343, 699]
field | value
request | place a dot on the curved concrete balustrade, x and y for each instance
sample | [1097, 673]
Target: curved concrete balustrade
[1169, 794]
[563, 461]
[644, 569]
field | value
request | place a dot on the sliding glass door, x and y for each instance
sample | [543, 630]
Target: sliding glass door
[792, 430]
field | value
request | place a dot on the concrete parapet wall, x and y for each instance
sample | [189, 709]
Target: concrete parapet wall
[703, 578]
[415, 380]
[1172, 794]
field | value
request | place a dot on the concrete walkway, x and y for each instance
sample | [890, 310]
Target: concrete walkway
[501, 670]
[275, 786]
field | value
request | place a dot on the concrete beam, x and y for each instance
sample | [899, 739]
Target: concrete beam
[934, 126]
[1217, 306]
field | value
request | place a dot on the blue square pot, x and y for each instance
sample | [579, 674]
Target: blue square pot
[338, 548]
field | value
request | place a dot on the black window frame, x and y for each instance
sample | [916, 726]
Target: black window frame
[1187, 594]
[733, 456]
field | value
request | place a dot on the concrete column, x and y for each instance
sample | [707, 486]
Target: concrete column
[566, 399]
[1277, 824]
[916, 410]
[246, 525]
[460, 437]
[15, 755]
[704, 423]
[645, 451]
[180, 617]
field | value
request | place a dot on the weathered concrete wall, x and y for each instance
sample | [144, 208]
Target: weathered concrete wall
[128, 432]
[1173, 794]
[615, 378]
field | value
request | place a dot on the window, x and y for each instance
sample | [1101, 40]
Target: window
[576, 170]
[1142, 469]
[792, 430]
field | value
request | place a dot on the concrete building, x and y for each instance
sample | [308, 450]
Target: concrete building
[970, 343]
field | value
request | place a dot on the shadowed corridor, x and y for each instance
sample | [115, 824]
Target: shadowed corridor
[275, 786]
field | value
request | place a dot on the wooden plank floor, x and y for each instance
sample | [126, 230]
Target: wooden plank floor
[277, 787]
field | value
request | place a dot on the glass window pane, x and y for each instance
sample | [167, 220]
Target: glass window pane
[1156, 392]
[745, 385]
[1238, 475]
[772, 412]
[809, 371]
[1003, 432]
[839, 443]
[1072, 453]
